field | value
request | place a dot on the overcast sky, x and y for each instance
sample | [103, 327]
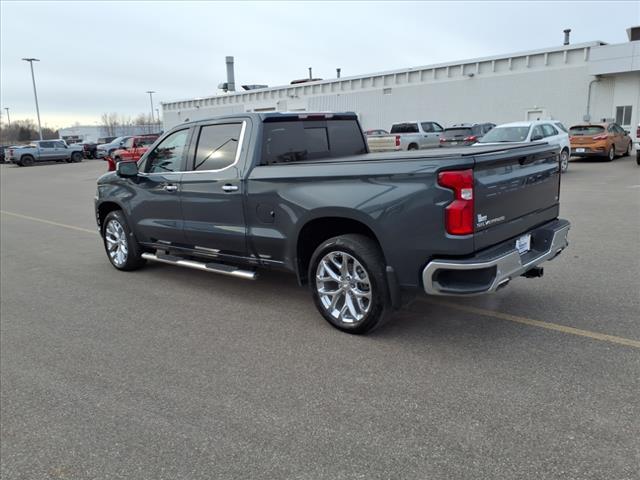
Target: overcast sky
[102, 56]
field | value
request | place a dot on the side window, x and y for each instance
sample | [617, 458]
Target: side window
[167, 156]
[46, 144]
[59, 144]
[548, 130]
[427, 127]
[128, 143]
[217, 146]
[436, 127]
[537, 132]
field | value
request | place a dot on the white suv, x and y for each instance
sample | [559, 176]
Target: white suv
[550, 131]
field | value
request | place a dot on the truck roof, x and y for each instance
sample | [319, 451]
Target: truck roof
[281, 116]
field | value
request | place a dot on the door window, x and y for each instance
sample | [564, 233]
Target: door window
[167, 156]
[549, 131]
[436, 127]
[537, 132]
[59, 144]
[217, 146]
[427, 127]
[46, 145]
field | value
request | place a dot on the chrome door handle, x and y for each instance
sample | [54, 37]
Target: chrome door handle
[170, 188]
[229, 188]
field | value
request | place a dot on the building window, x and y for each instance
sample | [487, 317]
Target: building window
[623, 115]
[386, 91]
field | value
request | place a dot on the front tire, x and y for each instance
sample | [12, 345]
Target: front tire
[348, 283]
[76, 157]
[564, 160]
[120, 244]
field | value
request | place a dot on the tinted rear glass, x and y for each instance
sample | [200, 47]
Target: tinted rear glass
[506, 134]
[404, 128]
[451, 133]
[310, 140]
[586, 130]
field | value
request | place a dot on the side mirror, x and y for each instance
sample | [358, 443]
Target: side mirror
[535, 138]
[127, 169]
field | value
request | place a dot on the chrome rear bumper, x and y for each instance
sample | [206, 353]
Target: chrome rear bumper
[487, 271]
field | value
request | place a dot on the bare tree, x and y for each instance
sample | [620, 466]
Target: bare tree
[110, 123]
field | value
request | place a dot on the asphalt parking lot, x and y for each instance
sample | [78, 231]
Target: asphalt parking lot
[167, 373]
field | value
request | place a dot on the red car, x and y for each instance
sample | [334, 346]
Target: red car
[131, 151]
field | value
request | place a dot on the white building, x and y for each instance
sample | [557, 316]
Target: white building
[565, 83]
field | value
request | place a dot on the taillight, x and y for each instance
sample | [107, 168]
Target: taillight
[459, 213]
[397, 140]
[601, 137]
[638, 132]
[442, 140]
[471, 138]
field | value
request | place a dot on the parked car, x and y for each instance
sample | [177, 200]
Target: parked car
[464, 134]
[44, 151]
[600, 140]
[103, 140]
[89, 149]
[416, 135]
[523, 132]
[299, 192]
[106, 149]
[2, 156]
[132, 149]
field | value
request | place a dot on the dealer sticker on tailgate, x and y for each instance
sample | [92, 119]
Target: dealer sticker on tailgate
[523, 244]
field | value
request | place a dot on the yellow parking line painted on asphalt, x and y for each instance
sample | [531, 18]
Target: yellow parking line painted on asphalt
[42, 220]
[537, 323]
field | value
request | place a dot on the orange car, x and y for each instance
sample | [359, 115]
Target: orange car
[600, 139]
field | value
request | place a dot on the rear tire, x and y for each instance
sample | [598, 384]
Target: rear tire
[123, 250]
[629, 148]
[348, 283]
[26, 161]
[611, 154]
[412, 146]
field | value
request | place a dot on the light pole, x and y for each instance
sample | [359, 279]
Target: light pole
[151, 92]
[35, 93]
[8, 117]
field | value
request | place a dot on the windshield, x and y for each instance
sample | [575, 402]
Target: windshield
[586, 130]
[145, 141]
[506, 134]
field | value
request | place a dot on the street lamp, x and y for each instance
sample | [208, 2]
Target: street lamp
[151, 92]
[8, 117]
[35, 93]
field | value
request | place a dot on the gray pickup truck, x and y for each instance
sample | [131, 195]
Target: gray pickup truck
[364, 231]
[44, 151]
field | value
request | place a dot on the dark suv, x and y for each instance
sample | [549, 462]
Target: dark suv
[464, 134]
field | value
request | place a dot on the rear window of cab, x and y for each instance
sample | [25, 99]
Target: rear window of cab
[586, 130]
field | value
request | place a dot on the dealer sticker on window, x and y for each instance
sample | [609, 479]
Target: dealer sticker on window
[523, 244]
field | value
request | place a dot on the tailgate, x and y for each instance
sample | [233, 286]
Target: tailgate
[515, 190]
[382, 143]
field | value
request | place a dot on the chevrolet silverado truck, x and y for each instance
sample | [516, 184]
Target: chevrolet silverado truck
[365, 231]
[44, 151]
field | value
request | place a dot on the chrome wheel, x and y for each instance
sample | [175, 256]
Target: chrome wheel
[116, 239]
[564, 161]
[343, 287]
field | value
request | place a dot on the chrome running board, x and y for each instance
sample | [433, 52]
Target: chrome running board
[220, 268]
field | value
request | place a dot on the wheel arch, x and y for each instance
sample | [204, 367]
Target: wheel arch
[104, 209]
[320, 228]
